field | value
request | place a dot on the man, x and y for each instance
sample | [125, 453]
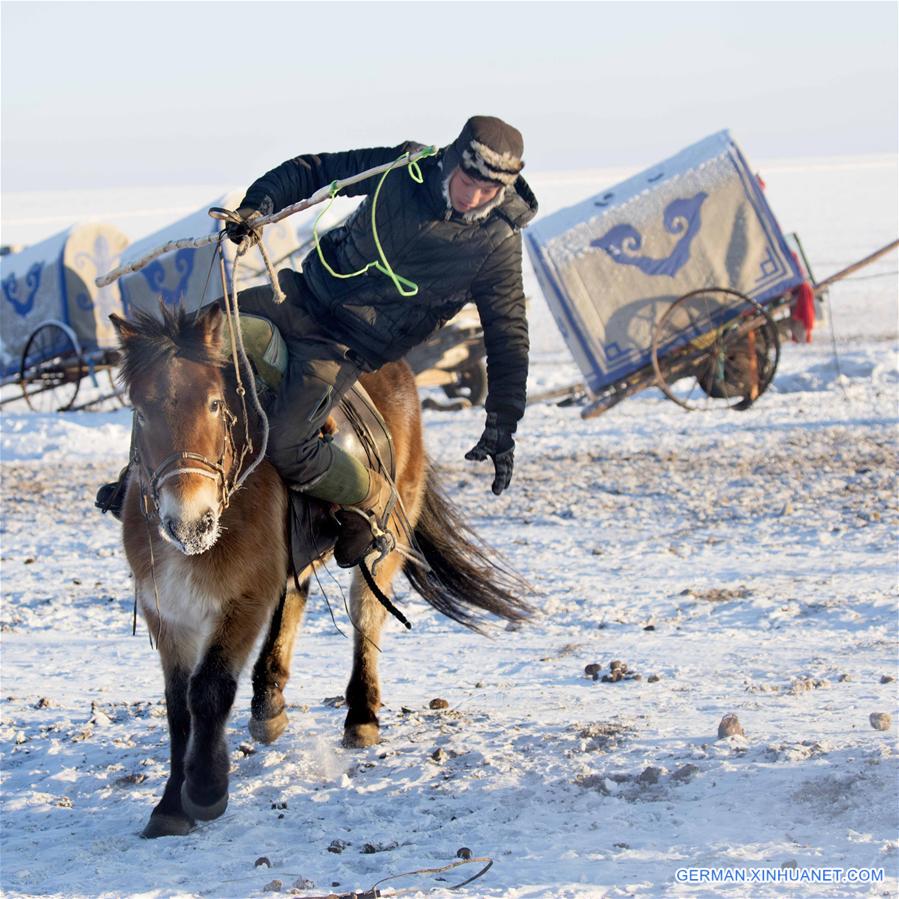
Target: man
[456, 236]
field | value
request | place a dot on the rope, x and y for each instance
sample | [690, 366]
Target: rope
[381, 264]
[233, 312]
[375, 893]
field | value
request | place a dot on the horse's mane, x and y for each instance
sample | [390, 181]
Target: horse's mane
[151, 341]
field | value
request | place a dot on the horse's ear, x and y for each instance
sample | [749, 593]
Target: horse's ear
[213, 324]
[124, 329]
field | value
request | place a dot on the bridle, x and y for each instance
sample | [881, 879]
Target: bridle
[173, 466]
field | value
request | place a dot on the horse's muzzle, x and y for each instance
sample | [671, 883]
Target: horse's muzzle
[191, 537]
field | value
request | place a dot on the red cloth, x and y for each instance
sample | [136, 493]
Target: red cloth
[803, 309]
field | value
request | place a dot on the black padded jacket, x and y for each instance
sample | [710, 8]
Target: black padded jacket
[451, 258]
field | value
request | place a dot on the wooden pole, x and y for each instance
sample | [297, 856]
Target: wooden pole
[844, 273]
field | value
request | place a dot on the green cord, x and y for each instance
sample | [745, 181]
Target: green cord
[404, 287]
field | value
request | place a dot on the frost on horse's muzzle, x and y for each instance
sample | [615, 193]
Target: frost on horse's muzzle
[190, 520]
[193, 537]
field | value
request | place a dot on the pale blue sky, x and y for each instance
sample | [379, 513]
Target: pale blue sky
[153, 93]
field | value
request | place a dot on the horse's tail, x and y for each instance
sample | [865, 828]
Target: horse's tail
[463, 580]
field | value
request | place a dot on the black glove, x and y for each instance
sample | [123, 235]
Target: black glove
[241, 228]
[496, 442]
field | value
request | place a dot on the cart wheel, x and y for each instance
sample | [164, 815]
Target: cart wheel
[52, 368]
[715, 349]
[119, 397]
[471, 384]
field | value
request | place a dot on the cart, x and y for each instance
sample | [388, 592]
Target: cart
[679, 277]
[54, 321]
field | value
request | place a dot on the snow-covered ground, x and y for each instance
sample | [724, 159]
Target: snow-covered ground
[741, 563]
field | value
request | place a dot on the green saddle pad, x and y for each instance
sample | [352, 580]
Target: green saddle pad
[266, 348]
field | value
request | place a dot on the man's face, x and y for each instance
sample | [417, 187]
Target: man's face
[467, 193]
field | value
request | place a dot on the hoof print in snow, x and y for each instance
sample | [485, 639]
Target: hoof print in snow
[593, 670]
[463, 852]
[439, 755]
[603, 736]
[262, 862]
[438, 704]
[337, 846]
[730, 727]
[806, 684]
[653, 679]
[649, 776]
[273, 886]
[301, 883]
[335, 702]
[685, 773]
[880, 720]
[372, 848]
[887, 679]
[130, 780]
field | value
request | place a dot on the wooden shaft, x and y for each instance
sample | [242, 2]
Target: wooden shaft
[838, 276]
[322, 194]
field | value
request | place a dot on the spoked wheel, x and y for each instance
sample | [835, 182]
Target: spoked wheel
[715, 349]
[52, 368]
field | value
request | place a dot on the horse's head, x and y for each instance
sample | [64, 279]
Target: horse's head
[174, 370]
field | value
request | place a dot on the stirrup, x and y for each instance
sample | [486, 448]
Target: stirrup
[381, 540]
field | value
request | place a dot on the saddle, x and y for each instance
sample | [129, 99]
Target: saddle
[355, 425]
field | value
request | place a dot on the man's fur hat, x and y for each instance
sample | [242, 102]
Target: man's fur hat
[490, 150]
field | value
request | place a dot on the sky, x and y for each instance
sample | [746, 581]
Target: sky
[166, 93]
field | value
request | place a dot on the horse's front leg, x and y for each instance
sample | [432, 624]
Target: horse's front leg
[210, 695]
[363, 693]
[272, 669]
[169, 817]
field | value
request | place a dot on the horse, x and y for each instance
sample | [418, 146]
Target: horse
[206, 532]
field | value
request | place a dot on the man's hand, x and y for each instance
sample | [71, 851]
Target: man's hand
[241, 228]
[496, 442]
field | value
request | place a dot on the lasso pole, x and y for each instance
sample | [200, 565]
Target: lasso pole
[322, 194]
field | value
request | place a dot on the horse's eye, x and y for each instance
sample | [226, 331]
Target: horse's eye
[215, 406]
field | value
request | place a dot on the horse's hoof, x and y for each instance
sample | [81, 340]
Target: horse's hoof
[202, 812]
[269, 729]
[167, 826]
[358, 736]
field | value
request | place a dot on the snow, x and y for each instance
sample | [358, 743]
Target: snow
[759, 547]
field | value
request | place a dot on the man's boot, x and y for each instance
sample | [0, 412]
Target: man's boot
[111, 497]
[366, 499]
[363, 525]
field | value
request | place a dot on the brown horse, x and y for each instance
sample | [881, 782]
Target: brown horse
[211, 554]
